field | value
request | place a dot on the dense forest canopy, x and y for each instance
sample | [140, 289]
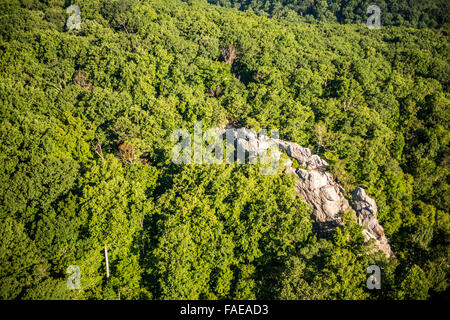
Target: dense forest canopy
[405, 13]
[86, 123]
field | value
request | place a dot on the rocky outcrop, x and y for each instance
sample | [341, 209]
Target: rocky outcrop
[366, 209]
[318, 187]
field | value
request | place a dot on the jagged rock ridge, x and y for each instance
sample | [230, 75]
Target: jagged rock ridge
[318, 187]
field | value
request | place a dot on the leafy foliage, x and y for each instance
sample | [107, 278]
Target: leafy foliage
[86, 120]
[416, 13]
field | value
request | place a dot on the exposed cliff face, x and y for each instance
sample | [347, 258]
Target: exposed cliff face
[366, 209]
[327, 199]
[319, 189]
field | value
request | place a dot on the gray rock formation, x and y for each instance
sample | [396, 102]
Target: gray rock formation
[318, 188]
[366, 209]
